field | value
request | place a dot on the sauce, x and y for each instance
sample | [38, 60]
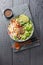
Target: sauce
[8, 13]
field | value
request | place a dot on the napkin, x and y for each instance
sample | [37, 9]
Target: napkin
[24, 9]
[21, 9]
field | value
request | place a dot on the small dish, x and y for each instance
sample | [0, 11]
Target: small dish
[20, 29]
[8, 13]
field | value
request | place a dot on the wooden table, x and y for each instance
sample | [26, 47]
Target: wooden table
[32, 56]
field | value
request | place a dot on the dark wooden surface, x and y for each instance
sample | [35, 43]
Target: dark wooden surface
[37, 53]
[32, 56]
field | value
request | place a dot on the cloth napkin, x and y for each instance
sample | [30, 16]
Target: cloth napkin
[24, 9]
[21, 9]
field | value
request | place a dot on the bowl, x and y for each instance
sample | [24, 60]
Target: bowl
[32, 32]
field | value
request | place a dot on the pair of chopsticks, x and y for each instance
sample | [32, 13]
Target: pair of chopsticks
[18, 45]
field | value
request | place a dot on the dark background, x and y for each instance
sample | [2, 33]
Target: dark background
[32, 56]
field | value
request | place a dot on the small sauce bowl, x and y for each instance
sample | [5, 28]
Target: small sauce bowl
[8, 13]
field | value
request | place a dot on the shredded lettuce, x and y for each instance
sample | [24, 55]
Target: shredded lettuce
[23, 37]
[15, 38]
[28, 27]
